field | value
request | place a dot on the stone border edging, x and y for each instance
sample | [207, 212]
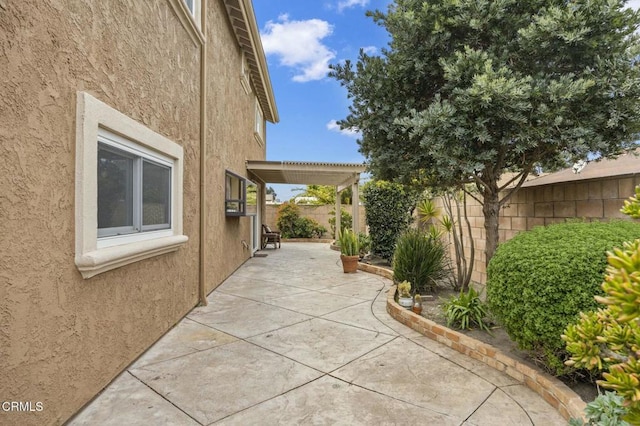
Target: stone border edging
[560, 396]
[307, 240]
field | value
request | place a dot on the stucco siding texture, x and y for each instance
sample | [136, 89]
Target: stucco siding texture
[64, 338]
[230, 142]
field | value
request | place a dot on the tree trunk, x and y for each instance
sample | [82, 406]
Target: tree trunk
[472, 244]
[491, 211]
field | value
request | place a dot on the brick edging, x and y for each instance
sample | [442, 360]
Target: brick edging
[560, 396]
[307, 240]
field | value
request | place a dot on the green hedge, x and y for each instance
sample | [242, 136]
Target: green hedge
[292, 225]
[388, 208]
[538, 282]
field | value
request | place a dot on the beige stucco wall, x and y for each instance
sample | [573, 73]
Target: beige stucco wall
[593, 199]
[230, 142]
[64, 338]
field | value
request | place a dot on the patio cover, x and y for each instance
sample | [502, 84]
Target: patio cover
[340, 175]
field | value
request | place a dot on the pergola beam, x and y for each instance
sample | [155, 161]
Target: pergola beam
[339, 175]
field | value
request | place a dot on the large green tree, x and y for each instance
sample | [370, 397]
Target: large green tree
[469, 90]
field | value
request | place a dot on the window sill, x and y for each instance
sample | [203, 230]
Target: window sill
[105, 259]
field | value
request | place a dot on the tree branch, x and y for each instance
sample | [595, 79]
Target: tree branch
[523, 178]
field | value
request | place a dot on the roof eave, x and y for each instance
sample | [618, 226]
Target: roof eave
[245, 27]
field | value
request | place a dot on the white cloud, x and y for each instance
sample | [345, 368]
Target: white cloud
[298, 44]
[633, 4]
[372, 50]
[335, 127]
[345, 4]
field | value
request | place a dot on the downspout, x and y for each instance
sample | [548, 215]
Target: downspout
[202, 295]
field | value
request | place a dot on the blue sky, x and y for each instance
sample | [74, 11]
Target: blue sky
[301, 39]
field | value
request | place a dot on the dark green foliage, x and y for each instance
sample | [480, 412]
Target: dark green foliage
[539, 281]
[388, 208]
[291, 225]
[346, 221]
[364, 243]
[420, 259]
[466, 311]
[468, 90]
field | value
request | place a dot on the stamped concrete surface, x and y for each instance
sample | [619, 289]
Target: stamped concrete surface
[290, 339]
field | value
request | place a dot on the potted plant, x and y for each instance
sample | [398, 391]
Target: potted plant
[404, 294]
[349, 250]
[417, 304]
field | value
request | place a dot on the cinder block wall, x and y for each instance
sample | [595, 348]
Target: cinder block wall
[317, 213]
[531, 206]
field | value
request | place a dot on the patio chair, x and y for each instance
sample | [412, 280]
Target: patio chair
[270, 237]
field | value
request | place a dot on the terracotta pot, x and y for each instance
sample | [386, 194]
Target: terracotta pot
[417, 308]
[349, 263]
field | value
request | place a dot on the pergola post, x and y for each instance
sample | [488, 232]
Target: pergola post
[338, 214]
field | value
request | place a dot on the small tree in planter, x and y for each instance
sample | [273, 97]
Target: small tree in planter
[452, 223]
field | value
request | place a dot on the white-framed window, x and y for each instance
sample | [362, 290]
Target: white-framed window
[128, 189]
[134, 188]
[244, 75]
[259, 126]
[194, 8]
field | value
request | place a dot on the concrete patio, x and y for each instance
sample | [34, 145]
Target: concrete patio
[290, 339]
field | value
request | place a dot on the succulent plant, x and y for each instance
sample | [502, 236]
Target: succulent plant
[404, 288]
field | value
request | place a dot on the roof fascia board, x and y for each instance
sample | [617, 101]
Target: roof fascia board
[247, 25]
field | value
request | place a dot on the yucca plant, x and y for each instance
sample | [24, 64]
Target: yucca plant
[420, 259]
[427, 210]
[348, 243]
[466, 311]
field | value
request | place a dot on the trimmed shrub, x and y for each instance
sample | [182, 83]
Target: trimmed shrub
[388, 208]
[292, 225]
[610, 337]
[420, 259]
[539, 282]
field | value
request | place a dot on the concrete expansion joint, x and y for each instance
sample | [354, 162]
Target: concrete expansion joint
[157, 393]
[557, 394]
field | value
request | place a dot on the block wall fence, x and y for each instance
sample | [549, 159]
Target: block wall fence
[540, 205]
[317, 213]
[533, 205]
